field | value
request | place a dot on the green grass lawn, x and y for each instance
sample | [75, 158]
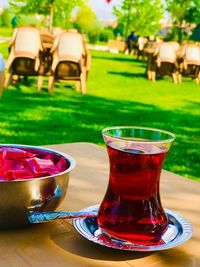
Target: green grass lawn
[118, 94]
[5, 32]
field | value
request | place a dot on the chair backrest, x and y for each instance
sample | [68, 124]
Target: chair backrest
[192, 54]
[167, 52]
[141, 43]
[70, 44]
[27, 41]
[176, 45]
[57, 31]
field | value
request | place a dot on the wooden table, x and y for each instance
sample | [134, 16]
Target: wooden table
[58, 244]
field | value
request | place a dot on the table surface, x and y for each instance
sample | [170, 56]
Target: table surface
[58, 244]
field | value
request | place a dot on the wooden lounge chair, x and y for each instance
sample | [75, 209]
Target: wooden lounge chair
[71, 60]
[166, 61]
[176, 45]
[24, 59]
[142, 41]
[150, 52]
[190, 66]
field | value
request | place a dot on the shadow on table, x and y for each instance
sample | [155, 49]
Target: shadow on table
[72, 242]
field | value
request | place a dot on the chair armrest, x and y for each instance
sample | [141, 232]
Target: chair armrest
[88, 61]
[12, 40]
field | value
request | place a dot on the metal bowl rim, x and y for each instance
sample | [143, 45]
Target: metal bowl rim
[65, 155]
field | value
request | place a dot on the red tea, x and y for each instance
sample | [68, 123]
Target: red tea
[131, 209]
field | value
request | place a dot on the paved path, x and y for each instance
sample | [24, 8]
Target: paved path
[97, 47]
[4, 39]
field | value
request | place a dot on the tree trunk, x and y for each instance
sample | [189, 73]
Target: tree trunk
[128, 18]
[180, 32]
[51, 16]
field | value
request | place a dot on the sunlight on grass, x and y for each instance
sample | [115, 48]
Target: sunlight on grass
[118, 94]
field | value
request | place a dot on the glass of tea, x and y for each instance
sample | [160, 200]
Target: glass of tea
[131, 209]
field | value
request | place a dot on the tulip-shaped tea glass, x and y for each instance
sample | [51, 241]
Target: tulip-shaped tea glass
[131, 209]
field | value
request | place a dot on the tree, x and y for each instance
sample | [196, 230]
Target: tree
[142, 16]
[59, 11]
[5, 17]
[85, 18]
[183, 12]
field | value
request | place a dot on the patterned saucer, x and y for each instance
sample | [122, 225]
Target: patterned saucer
[179, 231]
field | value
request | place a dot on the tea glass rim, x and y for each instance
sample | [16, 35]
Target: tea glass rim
[140, 141]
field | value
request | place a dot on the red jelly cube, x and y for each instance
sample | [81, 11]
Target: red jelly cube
[40, 166]
[17, 174]
[17, 164]
[5, 165]
[15, 153]
[62, 165]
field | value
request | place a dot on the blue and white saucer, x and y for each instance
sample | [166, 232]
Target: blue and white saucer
[179, 231]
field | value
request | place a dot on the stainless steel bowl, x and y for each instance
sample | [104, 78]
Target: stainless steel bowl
[20, 197]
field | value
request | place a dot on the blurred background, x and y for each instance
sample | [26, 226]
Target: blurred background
[102, 20]
[126, 84]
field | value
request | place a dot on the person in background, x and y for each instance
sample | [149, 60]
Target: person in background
[14, 22]
[131, 41]
[2, 68]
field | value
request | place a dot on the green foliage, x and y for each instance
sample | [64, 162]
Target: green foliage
[196, 34]
[4, 46]
[85, 18]
[119, 30]
[30, 20]
[106, 34]
[100, 34]
[93, 36]
[31, 7]
[183, 11]
[86, 22]
[5, 18]
[62, 8]
[21, 20]
[142, 16]
[193, 12]
[175, 33]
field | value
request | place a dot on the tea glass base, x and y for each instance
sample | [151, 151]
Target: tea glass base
[179, 231]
